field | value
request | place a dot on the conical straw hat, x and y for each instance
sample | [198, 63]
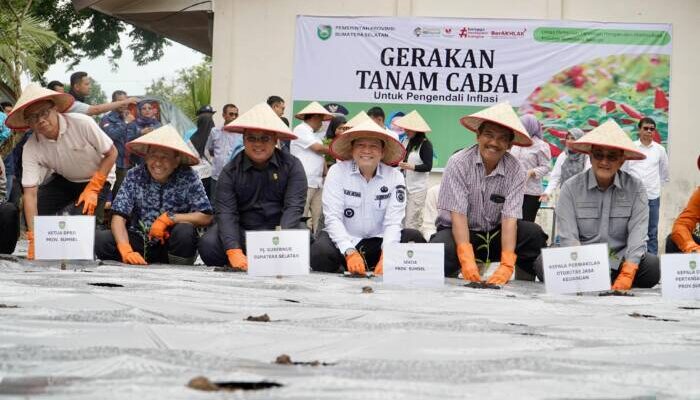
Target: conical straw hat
[31, 94]
[357, 119]
[501, 114]
[341, 146]
[166, 137]
[314, 108]
[609, 135]
[261, 118]
[413, 122]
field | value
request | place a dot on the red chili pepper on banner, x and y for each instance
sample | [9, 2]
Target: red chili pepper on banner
[557, 133]
[643, 86]
[631, 111]
[592, 122]
[540, 108]
[554, 150]
[656, 137]
[609, 106]
[660, 100]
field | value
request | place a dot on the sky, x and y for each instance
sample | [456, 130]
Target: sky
[129, 77]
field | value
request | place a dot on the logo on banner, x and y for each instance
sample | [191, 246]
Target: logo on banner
[574, 256]
[448, 32]
[276, 240]
[62, 224]
[692, 265]
[508, 34]
[324, 32]
[426, 32]
[409, 254]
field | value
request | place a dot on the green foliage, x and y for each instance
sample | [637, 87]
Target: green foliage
[189, 90]
[24, 39]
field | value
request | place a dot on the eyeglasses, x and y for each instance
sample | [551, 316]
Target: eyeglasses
[600, 156]
[258, 138]
[649, 128]
[342, 128]
[232, 114]
[33, 118]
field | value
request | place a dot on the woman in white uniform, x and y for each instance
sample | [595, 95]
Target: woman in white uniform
[416, 166]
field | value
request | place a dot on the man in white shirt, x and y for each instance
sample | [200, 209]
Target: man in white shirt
[653, 172]
[309, 149]
[364, 202]
[65, 163]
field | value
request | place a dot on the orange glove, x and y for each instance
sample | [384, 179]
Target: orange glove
[379, 268]
[159, 228]
[465, 254]
[90, 193]
[237, 259]
[505, 270]
[626, 276]
[356, 264]
[129, 256]
[30, 249]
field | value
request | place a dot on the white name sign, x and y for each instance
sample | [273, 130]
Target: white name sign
[66, 237]
[680, 276]
[272, 253]
[576, 269]
[414, 264]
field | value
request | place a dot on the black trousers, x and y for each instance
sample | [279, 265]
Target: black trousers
[672, 247]
[59, 195]
[182, 243]
[9, 228]
[529, 242]
[531, 204]
[326, 257]
[647, 276]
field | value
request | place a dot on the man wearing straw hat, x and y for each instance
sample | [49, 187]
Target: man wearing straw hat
[159, 206]
[607, 205]
[481, 198]
[67, 160]
[683, 237]
[260, 189]
[309, 149]
[364, 201]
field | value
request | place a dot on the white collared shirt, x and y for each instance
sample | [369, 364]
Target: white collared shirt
[652, 171]
[355, 209]
[75, 154]
[312, 161]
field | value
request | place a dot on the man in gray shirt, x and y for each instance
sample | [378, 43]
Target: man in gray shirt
[607, 205]
[481, 199]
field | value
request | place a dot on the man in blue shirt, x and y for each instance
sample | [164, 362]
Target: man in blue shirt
[159, 207]
[115, 126]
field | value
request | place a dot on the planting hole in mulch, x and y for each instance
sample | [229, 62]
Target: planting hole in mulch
[284, 359]
[105, 284]
[6, 306]
[482, 285]
[259, 318]
[367, 289]
[291, 301]
[616, 293]
[347, 274]
[689, 308]
[652, 317]
[204, 384]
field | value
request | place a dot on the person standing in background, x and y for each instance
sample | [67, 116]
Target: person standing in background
[535, 160]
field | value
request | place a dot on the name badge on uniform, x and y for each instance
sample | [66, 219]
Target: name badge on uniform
[272, 253]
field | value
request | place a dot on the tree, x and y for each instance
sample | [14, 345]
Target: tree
[97, 95]
[23, 41]
[189, 90]
[35, 34]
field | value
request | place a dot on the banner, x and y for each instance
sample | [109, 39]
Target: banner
[568, 74]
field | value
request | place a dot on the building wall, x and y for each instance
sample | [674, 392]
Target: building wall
[254, 45]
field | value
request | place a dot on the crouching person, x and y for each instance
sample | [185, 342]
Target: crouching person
[481, 198]
[364, 202]
[607, 205]
[159, 206]
[683, 237]
[260, 189]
